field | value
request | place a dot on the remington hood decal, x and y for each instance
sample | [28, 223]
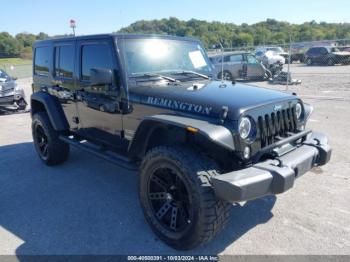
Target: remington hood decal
[179, 105]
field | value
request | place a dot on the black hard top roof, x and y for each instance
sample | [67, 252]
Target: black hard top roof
[118, 36]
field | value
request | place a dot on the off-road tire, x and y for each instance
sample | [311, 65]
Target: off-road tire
[57, 150]
[210, 214]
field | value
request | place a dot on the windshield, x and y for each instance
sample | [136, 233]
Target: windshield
[152, 55]
[333, 49]
[275, 49]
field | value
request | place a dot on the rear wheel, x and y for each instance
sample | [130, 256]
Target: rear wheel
[308, 61]
[177, 198]
[50, 148]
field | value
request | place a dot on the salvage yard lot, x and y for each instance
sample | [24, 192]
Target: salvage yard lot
[88, 206]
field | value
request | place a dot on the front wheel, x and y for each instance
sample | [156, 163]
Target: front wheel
[177, 198]
[21, 104]
[330, 62]
[226, 75]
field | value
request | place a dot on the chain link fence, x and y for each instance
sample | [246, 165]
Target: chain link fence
[315, 68]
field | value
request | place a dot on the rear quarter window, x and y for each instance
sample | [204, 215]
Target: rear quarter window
[42, 60]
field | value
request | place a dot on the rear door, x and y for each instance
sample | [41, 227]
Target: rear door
[63, 83]
[234, 63]
[318, 55]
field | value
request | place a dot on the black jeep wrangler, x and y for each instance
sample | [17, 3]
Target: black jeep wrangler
[151, 103]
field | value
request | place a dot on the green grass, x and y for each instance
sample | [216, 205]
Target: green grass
[16, 67]
[14, 61]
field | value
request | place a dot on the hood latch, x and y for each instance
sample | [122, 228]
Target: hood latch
[223, 114]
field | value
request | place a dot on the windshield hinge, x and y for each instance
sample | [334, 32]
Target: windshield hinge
[223, 114]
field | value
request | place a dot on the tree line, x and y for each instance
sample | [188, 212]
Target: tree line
[19, 45]
[211, 33]
[231, 35]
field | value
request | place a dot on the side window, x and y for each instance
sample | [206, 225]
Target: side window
[324, 51]
[226, 59]
[95, 56]
[41, 60]
[312, 51]
[64, 61]
[236, 58]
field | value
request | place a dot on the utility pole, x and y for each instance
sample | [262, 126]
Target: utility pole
[289, 58]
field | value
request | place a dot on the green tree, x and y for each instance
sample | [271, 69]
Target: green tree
[9, 46]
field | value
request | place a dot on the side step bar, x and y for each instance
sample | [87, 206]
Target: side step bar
[98, 151]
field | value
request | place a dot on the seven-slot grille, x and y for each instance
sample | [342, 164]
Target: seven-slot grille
[273, 127]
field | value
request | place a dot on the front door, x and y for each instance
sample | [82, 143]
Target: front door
[254, 69]
[98, 105]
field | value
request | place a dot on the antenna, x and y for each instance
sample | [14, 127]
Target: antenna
[222, 62]
[73, 25]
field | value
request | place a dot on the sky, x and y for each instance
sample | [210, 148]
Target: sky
[105, 16]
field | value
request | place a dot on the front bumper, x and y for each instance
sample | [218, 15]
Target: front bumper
[273, 176]
[11, 98]
[7, 100]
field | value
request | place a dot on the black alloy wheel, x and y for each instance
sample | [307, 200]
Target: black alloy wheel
[170, 200]
[41, 141]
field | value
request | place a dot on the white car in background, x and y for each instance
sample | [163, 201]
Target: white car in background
[270, 58]
[276, 49]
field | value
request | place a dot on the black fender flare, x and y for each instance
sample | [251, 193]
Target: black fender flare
[52, 107]
[215, 133]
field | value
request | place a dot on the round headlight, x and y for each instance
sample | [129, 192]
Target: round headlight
[245, 127]
[298, 110]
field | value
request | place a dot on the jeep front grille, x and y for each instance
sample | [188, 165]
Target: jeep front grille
[276, 126]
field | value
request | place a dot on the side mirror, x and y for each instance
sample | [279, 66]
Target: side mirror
[101, 76]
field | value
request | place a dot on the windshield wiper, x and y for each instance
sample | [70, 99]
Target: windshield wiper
[156, 75]
[191, 72]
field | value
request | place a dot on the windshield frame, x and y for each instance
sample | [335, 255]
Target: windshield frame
[121, 40]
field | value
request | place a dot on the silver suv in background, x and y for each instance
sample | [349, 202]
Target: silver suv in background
[10, 94]
[239, 65]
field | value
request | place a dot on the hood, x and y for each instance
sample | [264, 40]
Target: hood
[342, 53]
[274, 58]
[209, 98]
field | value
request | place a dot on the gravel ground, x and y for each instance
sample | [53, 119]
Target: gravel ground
[88, 206]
